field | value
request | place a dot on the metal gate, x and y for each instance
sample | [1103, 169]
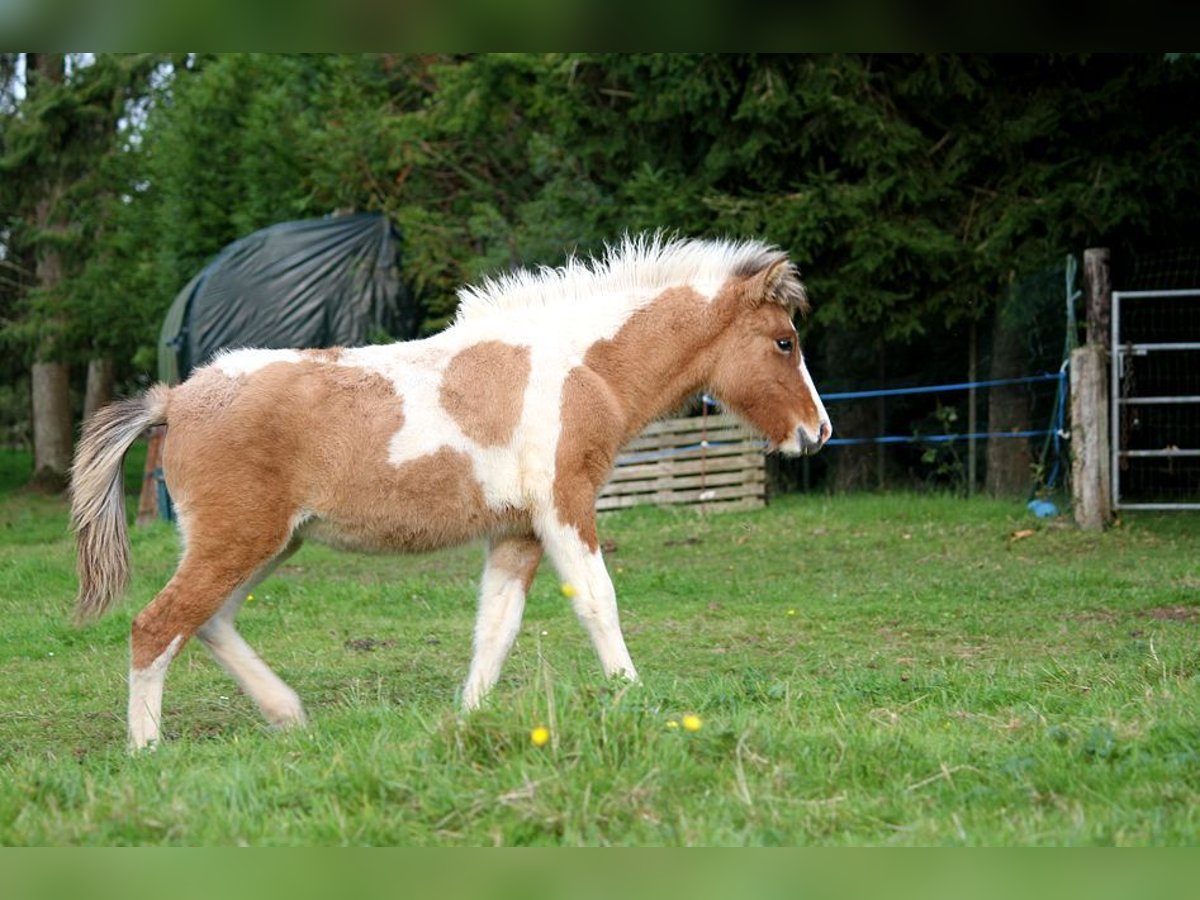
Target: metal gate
[1156, 399]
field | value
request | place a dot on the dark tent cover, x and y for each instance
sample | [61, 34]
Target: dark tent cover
[313, 283]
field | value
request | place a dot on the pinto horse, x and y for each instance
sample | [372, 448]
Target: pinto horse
[504, 426]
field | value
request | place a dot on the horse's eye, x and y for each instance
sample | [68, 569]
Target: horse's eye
[784, 344]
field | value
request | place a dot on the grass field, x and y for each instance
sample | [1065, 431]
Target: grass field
[867, 670]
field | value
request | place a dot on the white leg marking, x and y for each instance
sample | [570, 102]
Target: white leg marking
[501, 605]
[586, 580]
[280, 704]
[145, 698]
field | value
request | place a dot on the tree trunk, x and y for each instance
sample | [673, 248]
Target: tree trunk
[848, 360]
[51, 386]
[101, 374]
[1097, 283]
[855, 464]
[51, 425]
[51, 393]
[1009, 460]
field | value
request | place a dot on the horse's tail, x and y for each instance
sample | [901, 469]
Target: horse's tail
[98, 501]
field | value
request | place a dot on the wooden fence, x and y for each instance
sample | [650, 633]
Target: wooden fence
[711, 461]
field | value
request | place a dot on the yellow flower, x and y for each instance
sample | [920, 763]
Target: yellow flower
[540, 736]
[791, 612]
[671, 723]
[691, 722]
[249, 598]
[568, 590]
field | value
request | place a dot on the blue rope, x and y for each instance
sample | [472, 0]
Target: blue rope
[935, 438]
[938, 388]
[626, 459]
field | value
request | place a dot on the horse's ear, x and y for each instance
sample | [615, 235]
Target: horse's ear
[780, 283]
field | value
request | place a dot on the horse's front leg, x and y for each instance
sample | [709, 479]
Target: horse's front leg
[575, 554]
[512, 562]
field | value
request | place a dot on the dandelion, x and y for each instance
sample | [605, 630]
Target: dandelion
[791, 612]
[692, 722]
[249, 598]
[672, 724]
[539, 736]
[568, 590]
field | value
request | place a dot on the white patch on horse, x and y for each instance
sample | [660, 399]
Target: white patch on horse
[145, 698]
[245, 362]
[822, 415]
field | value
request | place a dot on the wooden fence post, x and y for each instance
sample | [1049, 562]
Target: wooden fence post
[1090, 476]
[1091, 454]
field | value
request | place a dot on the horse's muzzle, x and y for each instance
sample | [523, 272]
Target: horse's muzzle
[808, 445]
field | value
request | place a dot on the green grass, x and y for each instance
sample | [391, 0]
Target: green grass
[869, 670]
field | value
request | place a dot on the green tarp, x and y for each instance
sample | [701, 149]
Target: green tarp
[313, 283]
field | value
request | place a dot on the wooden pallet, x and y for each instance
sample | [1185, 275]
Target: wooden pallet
[714, 462]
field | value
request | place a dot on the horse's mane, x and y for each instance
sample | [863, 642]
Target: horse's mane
[639, 267]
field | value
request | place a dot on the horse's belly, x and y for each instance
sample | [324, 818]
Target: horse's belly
[430, 502]
[403, 532]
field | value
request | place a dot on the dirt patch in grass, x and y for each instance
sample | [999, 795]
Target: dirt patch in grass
[689, 541]
[1172, 613]
[366, 645]
[1095, 615]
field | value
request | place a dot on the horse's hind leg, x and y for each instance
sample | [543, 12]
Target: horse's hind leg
[511, 565]
[214, 565]
[278, 702]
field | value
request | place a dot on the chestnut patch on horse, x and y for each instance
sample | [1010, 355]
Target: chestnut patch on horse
[243, 457]
[205, 395]
[668, 335]
[426, 503]
[593, 424]
[483, 390]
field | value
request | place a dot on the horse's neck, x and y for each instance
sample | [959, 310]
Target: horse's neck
[658, 358]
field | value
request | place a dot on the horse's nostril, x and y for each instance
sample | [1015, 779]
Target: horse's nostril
[826, 431]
